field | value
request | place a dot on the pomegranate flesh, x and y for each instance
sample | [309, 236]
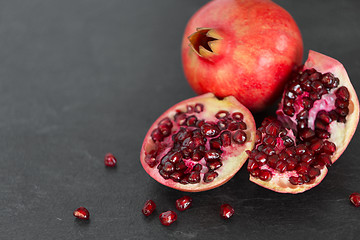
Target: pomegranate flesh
[316, 120]
[198, 144]
[226, 51]
[355, 199]
[167, 218]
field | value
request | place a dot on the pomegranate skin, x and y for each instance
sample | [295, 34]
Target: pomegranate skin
[245, 61]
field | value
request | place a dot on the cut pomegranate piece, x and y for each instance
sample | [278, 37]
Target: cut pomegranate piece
[167, 218]
[198, 156]
[226, 211]
[149, 207]
[183, 203]
[355, 199]
[316, 120]
[81, 213]
[110, 160]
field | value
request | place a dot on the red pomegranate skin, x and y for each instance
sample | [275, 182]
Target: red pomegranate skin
[259, 45]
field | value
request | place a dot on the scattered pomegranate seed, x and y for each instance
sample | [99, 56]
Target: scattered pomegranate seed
[183, 203]
[110, 160]
[81, 213]
[149, 207]
[226, 211]
[167, 218]
[355, 199]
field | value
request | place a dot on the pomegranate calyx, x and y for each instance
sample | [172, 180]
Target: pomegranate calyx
[204, 42]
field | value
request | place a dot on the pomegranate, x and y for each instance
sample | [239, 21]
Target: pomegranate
[316, 120]
[355, 199]
[149, 207]
[246, 49]
[183, 203]
[226, 211]
[198, 144]
[110, 160]
[81, 213]
[167, 218]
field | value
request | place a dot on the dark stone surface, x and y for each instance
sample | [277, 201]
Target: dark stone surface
[81, 78]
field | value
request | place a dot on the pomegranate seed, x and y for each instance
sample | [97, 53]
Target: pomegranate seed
[222, 114]
[225, 138]
[252, 164]
[341, 103]
[281, 166]
[176, 176]
[194, 177]
[291, 163]
[290, 111]
[189, 109]
[302, 168]
[110, 160]
[199, 108]
[215, 143]
[314, 96]
[303, 114]
[214, 165]
[197, 155]
[226, 211]
[212, 155]
[180, 118]
[317, 86]
[307, 103]
[168, 167]
[314, 172]
[156, 135]
[320, 125]
[260, 158]
[151, 161]
[329, 147]
[343, 112]
[210, 176]
[272, 129]
[307, 134]
[237, 116]
[233, 125]
[296, 180]
[314, 76]
[223, 124]
[149, 207]
[255, 172]
[180, 166]
[239, 137]
[355, 199]
[265, 175]
[288, 102]
[296, 88]
[323, 134]
[300, 149]
[81, 213]
[317, 145]
[175, 157]
[183, 203]
[209, 130]
[327, 79]
[290, 95]
[343, 93]
[191, 121]
[272, 160]
[270, 140]
[167, 218]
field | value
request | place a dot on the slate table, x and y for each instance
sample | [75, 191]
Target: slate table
[80, 78]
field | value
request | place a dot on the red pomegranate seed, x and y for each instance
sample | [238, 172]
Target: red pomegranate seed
[281, 166]
[210, 176]
[302, 168]
[291, 163]
[237, 116]
[307, 134]
[183, 203]
[209, 130]
[199, 108]
[290, 111]
[265, 175]
[214, 165]
[355, 199]
[343, 93]
[329, 147]
[317, 145]
[212, 155]
[261, 158]
[225, 138]
[252, 164]
[156, 135]
[215, 143]
[255, 172]
[81, 213]
[110, 160]
[272, 160]
[222, 114]
[189, 109]
[314, 172]
[194, 177]
[239, 137]
[258, 137]
[176, 176]
[272, 129]
[226, 211]
[300, 149]
[341, 103]
[223, 124]
[167, 218]
[168, 167]
[149, 207]
[296, 180]
[191, 121]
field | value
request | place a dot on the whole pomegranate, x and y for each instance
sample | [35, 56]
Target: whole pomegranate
[243, 48]
[198, 144]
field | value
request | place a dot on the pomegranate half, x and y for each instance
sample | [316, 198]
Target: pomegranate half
[316, 120]
[245, 49]
[198, 144]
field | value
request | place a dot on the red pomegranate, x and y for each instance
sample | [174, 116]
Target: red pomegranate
[198, 144]
[243, 48]
[316, 120]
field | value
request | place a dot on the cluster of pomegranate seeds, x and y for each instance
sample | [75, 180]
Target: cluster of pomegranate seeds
[110, 160]
[149, 207]
[81, 213]
[355, 199]
[167, 218]
[183, 203]
[276, 149]
[196, 144]
[226, 211]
